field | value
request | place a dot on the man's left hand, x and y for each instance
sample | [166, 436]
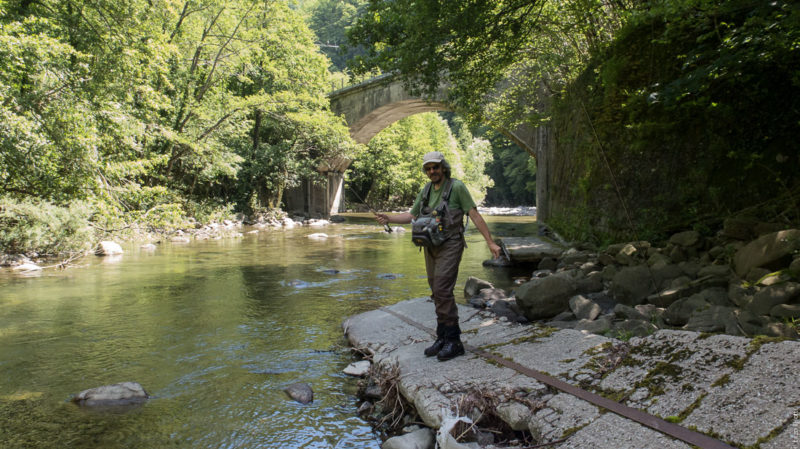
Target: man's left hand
[495, 249]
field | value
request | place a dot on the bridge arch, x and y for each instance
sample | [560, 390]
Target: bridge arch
[372, 105]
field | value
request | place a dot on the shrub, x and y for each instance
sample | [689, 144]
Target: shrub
[30, 226]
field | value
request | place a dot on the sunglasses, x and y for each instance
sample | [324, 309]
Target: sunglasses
[431, 168]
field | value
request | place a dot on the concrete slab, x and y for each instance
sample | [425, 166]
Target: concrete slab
[721, 385]
[612, 430]
[530, 249]
[562, 354]
[760, 399]
[672, 369]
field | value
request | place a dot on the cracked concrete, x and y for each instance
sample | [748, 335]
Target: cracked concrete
[735, 389]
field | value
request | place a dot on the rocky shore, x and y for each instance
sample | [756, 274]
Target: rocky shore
[700, 331]
[733, 283]
[109, 246]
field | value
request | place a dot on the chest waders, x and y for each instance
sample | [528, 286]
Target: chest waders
[441, 264]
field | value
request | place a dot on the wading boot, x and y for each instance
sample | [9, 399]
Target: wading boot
[452, 344]
[451, 348]
[434, 349]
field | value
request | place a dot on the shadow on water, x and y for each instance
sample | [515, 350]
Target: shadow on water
[214, 331]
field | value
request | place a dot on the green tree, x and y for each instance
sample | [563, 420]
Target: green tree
[156, 109]
[330, 20]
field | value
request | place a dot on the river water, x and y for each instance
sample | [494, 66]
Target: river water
[213, 330]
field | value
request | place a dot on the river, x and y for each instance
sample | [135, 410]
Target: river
[213, 330]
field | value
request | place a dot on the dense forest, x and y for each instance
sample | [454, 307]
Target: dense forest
[121, 114]
[133, 113]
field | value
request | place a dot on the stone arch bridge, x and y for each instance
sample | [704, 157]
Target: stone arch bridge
[371, 106]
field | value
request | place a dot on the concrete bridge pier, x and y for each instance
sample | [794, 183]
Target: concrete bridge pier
[319, 200]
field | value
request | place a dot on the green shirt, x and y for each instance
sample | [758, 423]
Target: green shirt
[459, 198]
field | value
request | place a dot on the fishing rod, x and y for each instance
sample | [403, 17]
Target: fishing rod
[386, 226]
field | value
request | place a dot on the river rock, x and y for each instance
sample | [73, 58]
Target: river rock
[588, 283]
[125, 393]
[490, 295]
[475, 285]
[627, 255]
[508, 309]
[584, 308]
[545, 297]
[712, 319]
[108, 248]
[358, 369]
[300, 392]
[636, 328]
[419, 439]
[785, 311]
[715, 270]
[794, 268]
[628, 312]
[664, 273]
[769, 297]
[599, 326]
[685, 239]
[148, 247]
[632, 285]
[773, 251]
[318, 236]
[678, 313]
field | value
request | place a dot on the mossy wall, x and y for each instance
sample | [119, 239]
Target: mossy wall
[690, 116]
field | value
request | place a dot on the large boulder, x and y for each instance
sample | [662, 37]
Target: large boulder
[632, 285]
[769, 297]
[772, 251]
[545, 297]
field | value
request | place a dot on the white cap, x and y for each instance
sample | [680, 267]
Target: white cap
[432, 157]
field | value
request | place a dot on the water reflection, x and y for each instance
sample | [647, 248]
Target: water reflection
[213, 330]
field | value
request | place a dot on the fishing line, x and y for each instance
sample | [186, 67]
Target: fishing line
[386, 226]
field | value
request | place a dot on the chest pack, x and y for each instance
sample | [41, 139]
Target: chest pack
[435, 225]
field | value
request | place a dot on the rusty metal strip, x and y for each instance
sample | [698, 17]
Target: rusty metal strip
[681, 433]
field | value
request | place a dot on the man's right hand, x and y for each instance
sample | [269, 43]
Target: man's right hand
[383, 219]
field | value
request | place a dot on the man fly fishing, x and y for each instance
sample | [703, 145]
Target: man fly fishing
[437, 219]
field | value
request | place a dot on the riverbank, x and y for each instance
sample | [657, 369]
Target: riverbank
[735, 389]
[107, 241]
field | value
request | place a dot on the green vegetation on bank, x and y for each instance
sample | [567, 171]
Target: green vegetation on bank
[154, 111]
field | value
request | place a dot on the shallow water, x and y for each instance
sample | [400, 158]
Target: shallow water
[213, 330]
